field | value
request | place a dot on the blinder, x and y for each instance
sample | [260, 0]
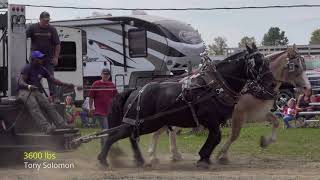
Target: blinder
[292, 67]
[251, 65]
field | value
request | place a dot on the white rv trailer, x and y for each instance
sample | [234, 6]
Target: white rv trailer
[137, 48]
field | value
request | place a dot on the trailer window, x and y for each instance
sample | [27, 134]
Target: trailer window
[137, 43]
[68, 57]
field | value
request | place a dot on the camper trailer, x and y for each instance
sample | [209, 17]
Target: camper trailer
[137, 48]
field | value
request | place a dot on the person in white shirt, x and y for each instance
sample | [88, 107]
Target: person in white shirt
[84, 114]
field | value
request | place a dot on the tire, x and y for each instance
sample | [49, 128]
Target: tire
[282, 98]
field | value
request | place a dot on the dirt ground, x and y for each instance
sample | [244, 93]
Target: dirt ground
[240, 168]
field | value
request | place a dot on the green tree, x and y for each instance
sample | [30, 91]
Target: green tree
[218, 46]
[315, 37]
[246, 40]
[275, 37]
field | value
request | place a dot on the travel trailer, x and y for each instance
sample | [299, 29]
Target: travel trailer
[136, 48]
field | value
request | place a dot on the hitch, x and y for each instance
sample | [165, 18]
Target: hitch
[97, 135]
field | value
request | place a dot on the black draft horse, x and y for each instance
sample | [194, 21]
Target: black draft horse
[212, 97]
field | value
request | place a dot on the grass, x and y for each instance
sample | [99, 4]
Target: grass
[301, 143]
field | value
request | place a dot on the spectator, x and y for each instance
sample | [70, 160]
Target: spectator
[84, 114]
[281, 111]
[70, 110]
[101, 94]
[290, 113]
[303, 103]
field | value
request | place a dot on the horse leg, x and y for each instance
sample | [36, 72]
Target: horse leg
[236, 125]
[175, 154]
[153, 145]
[212, 141]
[267, 140]
[137, 153]
[120, 134]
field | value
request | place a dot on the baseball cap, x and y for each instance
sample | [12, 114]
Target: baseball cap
[45, 15]
[106, 71]
[37, 54]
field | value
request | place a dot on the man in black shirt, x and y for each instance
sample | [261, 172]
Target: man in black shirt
[44, 38]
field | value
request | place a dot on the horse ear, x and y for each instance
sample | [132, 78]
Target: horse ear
[254, 47]
[294, 47]
[248, 48]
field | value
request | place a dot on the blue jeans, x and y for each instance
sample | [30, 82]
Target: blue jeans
[279, 114]
[84, 116]
[286, 120]
[103, 121]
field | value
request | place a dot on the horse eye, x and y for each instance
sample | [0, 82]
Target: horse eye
[296, 66]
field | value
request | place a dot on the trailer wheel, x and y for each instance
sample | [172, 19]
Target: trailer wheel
[282, 98]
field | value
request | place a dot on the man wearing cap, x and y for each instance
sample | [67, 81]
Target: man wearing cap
[101, 93]
[44, 38]
[30, 92]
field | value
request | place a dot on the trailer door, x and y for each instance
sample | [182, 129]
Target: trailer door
[69, 68]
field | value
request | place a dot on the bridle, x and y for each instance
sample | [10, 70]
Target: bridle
[250, 65]
[290, 66]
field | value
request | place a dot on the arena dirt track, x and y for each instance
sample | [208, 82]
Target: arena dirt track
[240, 168]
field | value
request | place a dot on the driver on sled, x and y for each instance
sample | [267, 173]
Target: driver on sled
[30, 91]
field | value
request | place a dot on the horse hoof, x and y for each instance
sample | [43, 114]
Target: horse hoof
[176, 158]
[223, 160]
[148, 165]
[263, 142]
[139, 163]
[154, 161]
[203, 164]
[103, 161]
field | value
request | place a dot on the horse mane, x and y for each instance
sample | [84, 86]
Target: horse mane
[235, 55]
[275, 55]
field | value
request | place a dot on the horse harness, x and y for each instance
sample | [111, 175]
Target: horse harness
[214, 83]
[259, 88]
[262, 87]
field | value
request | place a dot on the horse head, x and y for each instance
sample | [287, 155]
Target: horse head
[241, 66]
[289, 66]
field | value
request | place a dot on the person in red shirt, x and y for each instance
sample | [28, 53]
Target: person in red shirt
[101, 93]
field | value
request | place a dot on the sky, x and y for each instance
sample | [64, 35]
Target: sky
[298, 23]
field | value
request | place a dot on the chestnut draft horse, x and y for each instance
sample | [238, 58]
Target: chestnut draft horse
[286, 66]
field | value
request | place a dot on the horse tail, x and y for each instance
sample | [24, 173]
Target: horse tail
[116, 114]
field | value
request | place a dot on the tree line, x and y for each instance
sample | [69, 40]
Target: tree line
[274, 37]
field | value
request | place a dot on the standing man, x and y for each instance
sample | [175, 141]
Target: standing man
[44, 38]
[101, 93]
[31, 94]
